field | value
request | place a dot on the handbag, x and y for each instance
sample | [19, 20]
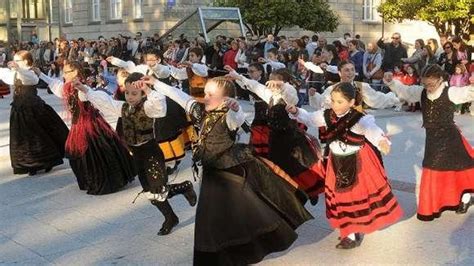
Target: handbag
[371, 65]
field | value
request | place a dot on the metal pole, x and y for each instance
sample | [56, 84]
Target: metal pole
[19, 12]
[60, 20]
[9, 25]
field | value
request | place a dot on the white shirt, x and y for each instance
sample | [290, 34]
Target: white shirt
[365, 126]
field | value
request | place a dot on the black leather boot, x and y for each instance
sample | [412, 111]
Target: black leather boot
[347, 243]
[186, 188]
[463, 207]
[171, 220]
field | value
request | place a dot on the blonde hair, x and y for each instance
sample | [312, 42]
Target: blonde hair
[225, 84]
[462, 67]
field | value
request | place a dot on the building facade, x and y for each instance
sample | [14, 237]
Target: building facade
[93, 18]
[19, 19]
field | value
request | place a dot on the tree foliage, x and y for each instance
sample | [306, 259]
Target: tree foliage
[447, 16]
[270, 16]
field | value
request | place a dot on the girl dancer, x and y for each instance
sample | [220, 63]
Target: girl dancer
[289, 146]
[245, 211]
[142, 105]
[448, 165]
[100, 161]
[37, 133]
[359, 199]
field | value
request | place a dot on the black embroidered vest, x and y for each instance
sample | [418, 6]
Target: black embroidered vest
[444, 147]
[216, 144]
[137, 126]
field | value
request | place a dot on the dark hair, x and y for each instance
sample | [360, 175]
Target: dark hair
[349, 92]
[434, 71]
[343, 63]
[355, 43]
[347, 34]
[300, 43]
[56, 72]
[258, 66]
[332, 49]
[153, 51]
[273, 51]
[357, 36]
[197, 51]
[314, 38]
[282, 74]
[135, 76]
[421, 42]
[458, 39]
[76, 65]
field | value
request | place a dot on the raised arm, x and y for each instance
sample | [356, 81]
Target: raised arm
[55, 85]
[7, 75]
[459, 95]
[129, 66]
[104, 102]
[411, 94]
[181, 98]
[313, 119]
[181, 73]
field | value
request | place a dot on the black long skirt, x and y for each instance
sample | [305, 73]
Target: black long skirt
[37, 135]
[105, 167]
[245, 213]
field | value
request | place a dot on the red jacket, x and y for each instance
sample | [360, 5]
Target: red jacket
[229, 58]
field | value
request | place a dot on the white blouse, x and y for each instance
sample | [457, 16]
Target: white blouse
[26, 76]
[154, 106]
[288, 92]
[161, 71]
[182, 74]
[374, 99]
[233, 119]
[412, 94]
[366, 126]
[57, 85]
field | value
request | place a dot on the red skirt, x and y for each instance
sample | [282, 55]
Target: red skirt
[259, 137]
[4, 89]
[369, 205]
[312, 180]
[442, 190]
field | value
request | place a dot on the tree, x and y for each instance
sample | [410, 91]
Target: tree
[270, 16]
[447, 16]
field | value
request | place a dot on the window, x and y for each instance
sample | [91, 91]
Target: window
[370, 10]
[137, 9]
[67, 11]
[34, 9]
[115, 9]
[13, 9]
[95, 13]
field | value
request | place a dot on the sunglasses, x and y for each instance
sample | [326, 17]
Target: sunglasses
[395, 38]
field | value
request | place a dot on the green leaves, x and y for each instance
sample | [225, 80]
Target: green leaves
[443, 14]
[270, 16]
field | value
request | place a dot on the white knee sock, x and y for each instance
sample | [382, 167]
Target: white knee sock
[466, 198]
[352, 236]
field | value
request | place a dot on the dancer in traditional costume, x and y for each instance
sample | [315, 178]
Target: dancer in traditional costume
[290, 147]
[359, 199]
[99, 159]
[448, 165]
[245, 211]
[37, 133]
[194, 71]
[141, 107]
[173, 132]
